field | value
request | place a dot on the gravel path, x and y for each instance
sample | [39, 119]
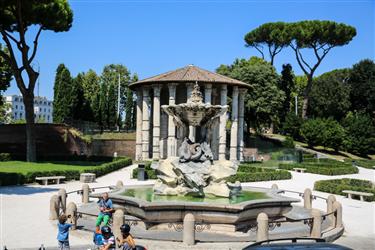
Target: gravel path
[24, 212]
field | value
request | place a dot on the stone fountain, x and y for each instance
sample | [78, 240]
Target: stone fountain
[194, 171]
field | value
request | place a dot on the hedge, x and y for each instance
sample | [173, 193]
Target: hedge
[149, 172]
[370, 164]
[248, 173]
[5, 157]
[19, 178]
[336, 186]
[324, 168]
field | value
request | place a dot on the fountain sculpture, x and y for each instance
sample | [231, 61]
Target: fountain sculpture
[194, 172]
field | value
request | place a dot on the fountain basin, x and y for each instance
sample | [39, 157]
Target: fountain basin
[171, 211]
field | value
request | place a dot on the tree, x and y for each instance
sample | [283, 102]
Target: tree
[320, 37]
[91, 89]
[271, 35]
[362, 82]
[5, 116]
[264, 99]
[359, 133]
[62, 93]
[20, 16]
[287, 85]
[330, 95]
[5, 74]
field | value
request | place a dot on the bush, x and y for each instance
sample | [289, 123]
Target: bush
[366, 163]
[311, 132]
[110, 167]
[5, 157]
[292, 126]
[288, 142]
[336, 186]
[327, 167]
[149, 172]
[360, 134]
[248, 173]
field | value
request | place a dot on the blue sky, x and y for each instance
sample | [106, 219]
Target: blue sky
[151, 37]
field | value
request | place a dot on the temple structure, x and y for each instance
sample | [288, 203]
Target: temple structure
[157, 136]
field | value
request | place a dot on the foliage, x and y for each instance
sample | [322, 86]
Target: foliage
[288, 142]
[370, 164]
[5, 116]
[324, 168]
[319, 37]
[336, 186]
[5, 157]
[264, 99]
[286, 84]
[249, 173]
[323, 132]
[359, 133]
[15, 18]
[5, 75]
[362, 82]
[62, 92]
[292, 126]
[149, 172]
[91, 88]
[15, 173]
[271, 35]
[330, 95]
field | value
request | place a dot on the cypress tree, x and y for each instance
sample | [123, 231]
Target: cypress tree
[62, 103]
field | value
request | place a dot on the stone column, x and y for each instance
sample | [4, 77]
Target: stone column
[156, 128]
[189, 89]
[208, 93]
[262, 231]
[316, 228]
[85, 193]
[138, 140]
[234, 128]
[307, 198]
[338, 215]
[172, 144]
[62, 198]
[71, 212]
[223, 123]
[241, 111]
[145, 124]
[330, 200]
[54, 207]
[189, 229]
[118, 220]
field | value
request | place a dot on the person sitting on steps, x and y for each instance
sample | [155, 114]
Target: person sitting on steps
[127, 242]
[106, 210]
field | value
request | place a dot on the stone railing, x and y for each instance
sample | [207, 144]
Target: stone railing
[189, 226]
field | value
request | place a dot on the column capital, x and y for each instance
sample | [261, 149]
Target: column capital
[223, 87]
[145, 90]
[172, 86]
[243, 91]
[156, 88]
[235, 89]
[208, 85]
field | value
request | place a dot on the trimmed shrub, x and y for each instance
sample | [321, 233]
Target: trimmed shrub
[336, 186]
[365, 163]
[149, 172]
[292, 126]
[324, 168]
[19, 178]
[5, 157]
[248, 173]
[288, 142]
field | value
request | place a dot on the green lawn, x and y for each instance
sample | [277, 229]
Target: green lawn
[27, 167]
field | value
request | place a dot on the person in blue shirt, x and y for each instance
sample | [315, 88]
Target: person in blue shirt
[63, 233]
[106, 210]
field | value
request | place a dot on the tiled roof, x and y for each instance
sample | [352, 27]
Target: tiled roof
[190, 73]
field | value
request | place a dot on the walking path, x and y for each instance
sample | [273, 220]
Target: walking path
[24, 212]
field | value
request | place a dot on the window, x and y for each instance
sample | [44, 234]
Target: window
[40, 109]
[21, 107]
[16, 99]
[44, 110]
[15, 115]
[16, 106]
[21, 115]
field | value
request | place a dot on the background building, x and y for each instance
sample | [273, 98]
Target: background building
[43, 108]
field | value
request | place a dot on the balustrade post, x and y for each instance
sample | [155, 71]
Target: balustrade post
[262, 230]
[62, 198]
[119, 184]
[330, 200]
[307, 198]
[338, 214]
[274, 186]
[85, 193]
[316, 227]
[189, 229]
[54, 208]
[118, 220]
[71, 213]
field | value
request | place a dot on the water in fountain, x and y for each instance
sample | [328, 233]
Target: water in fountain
[194, 171]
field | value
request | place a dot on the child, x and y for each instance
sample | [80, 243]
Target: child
[106, 210]
[105, 239]
[127, 242]
[63, 233]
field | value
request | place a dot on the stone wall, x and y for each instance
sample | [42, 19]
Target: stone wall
[108, 147]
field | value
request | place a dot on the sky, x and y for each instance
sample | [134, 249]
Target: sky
[152, 37]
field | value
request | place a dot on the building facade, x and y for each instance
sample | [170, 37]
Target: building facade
[157, 137]
[43, 108]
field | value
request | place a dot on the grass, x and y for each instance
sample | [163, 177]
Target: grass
[27, 167]
[114, 136]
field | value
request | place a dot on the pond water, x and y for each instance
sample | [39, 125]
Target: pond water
[149, 195]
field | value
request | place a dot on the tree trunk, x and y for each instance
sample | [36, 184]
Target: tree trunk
[306, 96]
[28, 100]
